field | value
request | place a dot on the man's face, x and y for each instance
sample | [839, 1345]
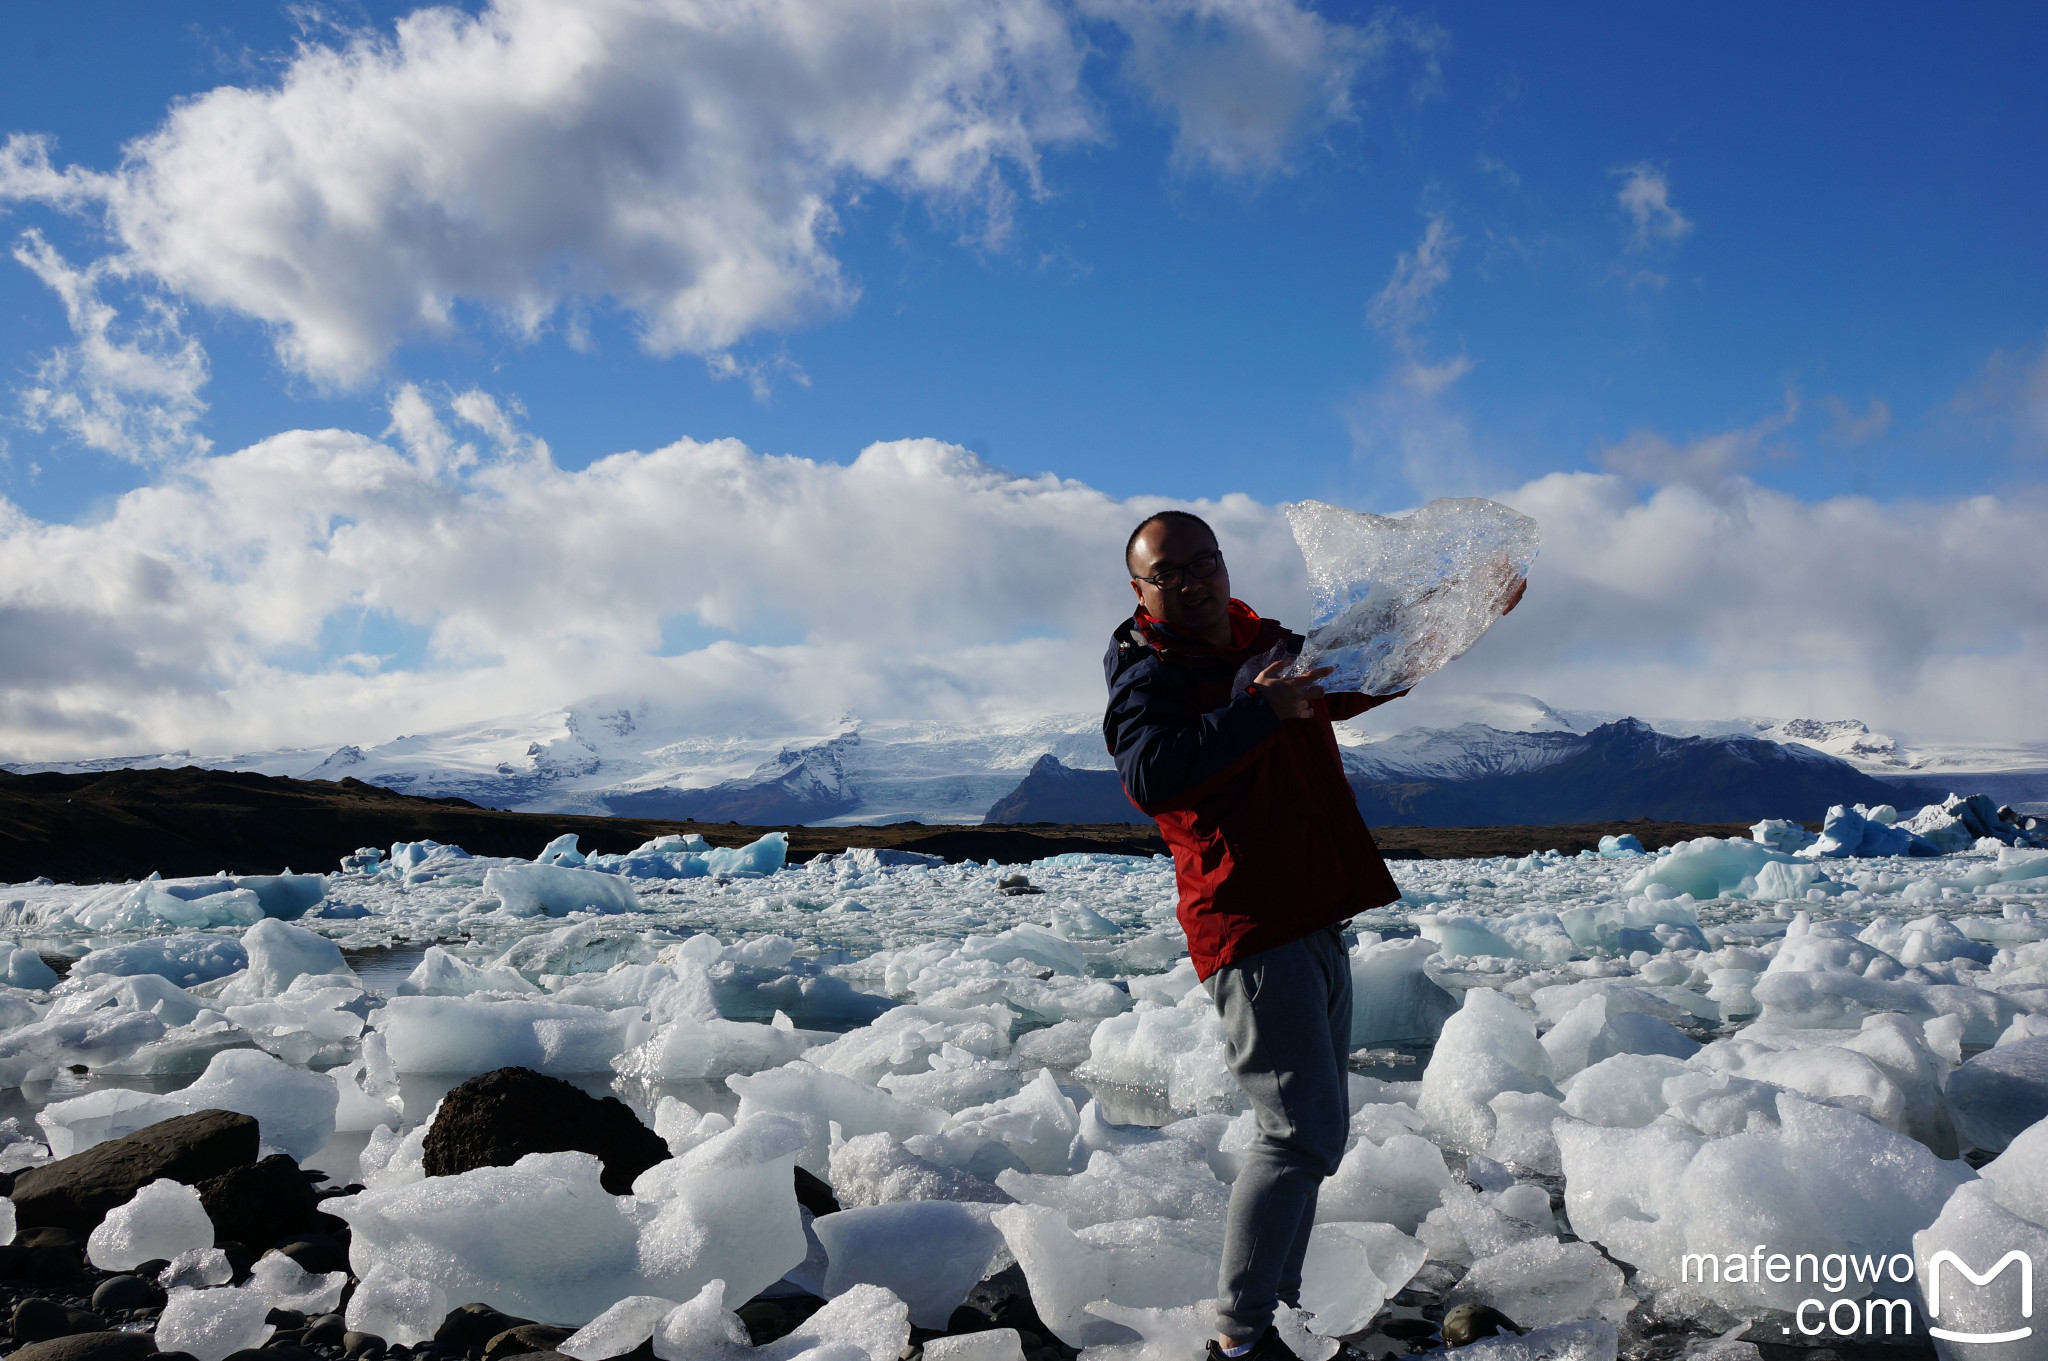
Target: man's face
[1200, 606]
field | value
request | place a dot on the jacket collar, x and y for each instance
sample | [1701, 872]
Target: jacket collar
[1249, 634]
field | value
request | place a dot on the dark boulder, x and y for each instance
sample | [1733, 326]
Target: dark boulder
[119, 1293]
[36, 1320]
[498, 1118]
[474, 1325]
[315, 1252]
[324, 1331]
[526, 1338]
[1469, 1322]
[88, 1347]
[258, 1204]
[76, 1192]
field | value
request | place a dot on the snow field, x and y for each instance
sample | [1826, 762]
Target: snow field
[1633, 1061]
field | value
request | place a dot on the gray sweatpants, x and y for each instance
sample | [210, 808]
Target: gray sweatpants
[1287, 1037]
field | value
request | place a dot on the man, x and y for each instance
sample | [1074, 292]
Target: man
[1238, 764]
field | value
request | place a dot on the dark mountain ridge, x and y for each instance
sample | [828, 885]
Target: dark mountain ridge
[1625, 769]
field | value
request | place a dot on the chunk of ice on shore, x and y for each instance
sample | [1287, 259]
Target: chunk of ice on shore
[621, 1328]
[817, 1100]
[1351, 1270]
[702, 1329]
[725, 1210]
[160, 1221]
[1395, 599]
[928, 1253]
[1397, 1182]
[476, 1034]
[1168, 1179]
[867, 1321]
[294, 1109]
[212, 1325]
[401, 1309]
[1142, 1263]
[539, 1239]
[1541, 1281]
[1489, 1047]
[1974, 1228]
[2000, 1092]
[287, 1285]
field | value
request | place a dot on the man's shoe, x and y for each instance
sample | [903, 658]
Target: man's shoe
[1269, 1347]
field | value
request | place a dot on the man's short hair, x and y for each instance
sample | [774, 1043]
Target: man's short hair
[1176, 517]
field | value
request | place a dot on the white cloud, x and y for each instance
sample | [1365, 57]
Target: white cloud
[676, 158]
[1707, 463]
[1406, 301]
[1242, 78]
[681, 161]
[2009, 400]
[1645, 195]
[1753, 602]
[1408, 421]
[1851, 428]
[131, 390]
[915, 580]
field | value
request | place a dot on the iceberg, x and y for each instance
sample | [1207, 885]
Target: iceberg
[1395, 599]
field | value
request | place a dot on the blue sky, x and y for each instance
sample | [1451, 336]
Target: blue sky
[1731, 252]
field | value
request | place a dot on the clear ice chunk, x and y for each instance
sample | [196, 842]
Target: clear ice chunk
[1396, 598]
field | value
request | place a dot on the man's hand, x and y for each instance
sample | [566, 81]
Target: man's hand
[1291, 696]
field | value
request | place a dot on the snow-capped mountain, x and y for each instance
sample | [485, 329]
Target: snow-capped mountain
[625, 756]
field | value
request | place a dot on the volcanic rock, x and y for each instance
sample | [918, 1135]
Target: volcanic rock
[76, 1192]
[496, 1119]
[258, 1204]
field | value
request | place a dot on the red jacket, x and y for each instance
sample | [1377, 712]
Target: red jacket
[1266, 838]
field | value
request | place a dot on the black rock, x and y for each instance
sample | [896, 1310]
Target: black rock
[1470, 1322]
[258, 1204]
[152, 1268]
[76, 1192]
[49, 1238]
[285, 1320]
[967, 1319]
[1005, 1300]
[473, 1325]
[6, 1183]
[361, 1344]
[174, 1356]
[498, 1118]
[527, 1337]
[769, 1320]
[37, 1319]
[117, 1293]
[319, 1253]
[88, 1347]
[324, 1331]
[815, 1194]
[40, 1265]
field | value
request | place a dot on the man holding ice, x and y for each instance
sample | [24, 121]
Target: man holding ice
[1235, 758]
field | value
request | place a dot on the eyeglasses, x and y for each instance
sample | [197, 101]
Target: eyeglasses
[1199, 569]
